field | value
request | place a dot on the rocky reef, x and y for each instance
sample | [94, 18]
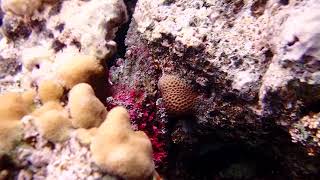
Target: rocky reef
[253, 66]
[208, 89]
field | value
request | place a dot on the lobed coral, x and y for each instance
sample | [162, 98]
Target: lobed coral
[119, 150]
[28, 97]
[50, 91]
[12, 110]
[10, 134]
[75, 69]
[48, 106]
[21, 7]
[14, 107]
[53, 125]
[178, 96]
[86, 109]
[143, 112]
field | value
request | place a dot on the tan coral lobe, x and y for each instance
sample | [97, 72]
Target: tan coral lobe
[53, 125]
[77, 69]
[50, 90]
[86, 109]
[119, 150]
[21, 7]
[13, 106]
[178, 95]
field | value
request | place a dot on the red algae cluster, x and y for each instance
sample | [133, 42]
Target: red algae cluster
[142, 110]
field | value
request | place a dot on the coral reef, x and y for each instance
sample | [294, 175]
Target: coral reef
[119, 150]
[209, 89]
[252, 65]
[40, 159]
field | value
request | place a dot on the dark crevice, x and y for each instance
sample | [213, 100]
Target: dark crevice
[121, 34]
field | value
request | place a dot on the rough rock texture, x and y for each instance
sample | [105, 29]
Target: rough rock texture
[255, 65]
[35, 46]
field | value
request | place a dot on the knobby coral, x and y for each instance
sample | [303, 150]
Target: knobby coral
[54, 125]
[178, 95]
[76, 69]
[143, 112]
[12, 110]
[86, 109]
[50, 91]
[119, 150]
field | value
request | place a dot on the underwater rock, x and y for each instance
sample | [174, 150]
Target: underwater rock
[254, 65]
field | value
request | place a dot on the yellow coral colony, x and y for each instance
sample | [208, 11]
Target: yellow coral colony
[79, 69]
[119, 150]
[51, 105]
[85, 108]
[54, 125]
[13, 108]
[50, 91]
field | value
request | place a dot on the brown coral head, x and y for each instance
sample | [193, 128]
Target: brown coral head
[179, 97]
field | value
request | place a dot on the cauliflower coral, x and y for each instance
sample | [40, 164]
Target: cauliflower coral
[119, 150]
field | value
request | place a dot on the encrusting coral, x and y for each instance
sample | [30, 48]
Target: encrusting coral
[50, 90]
[178, 96]
[53, 125]
[21, 7]
[119, 150]
[86, 109]
[79, 69]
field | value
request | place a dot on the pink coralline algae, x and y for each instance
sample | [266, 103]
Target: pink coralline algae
[142, 112]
